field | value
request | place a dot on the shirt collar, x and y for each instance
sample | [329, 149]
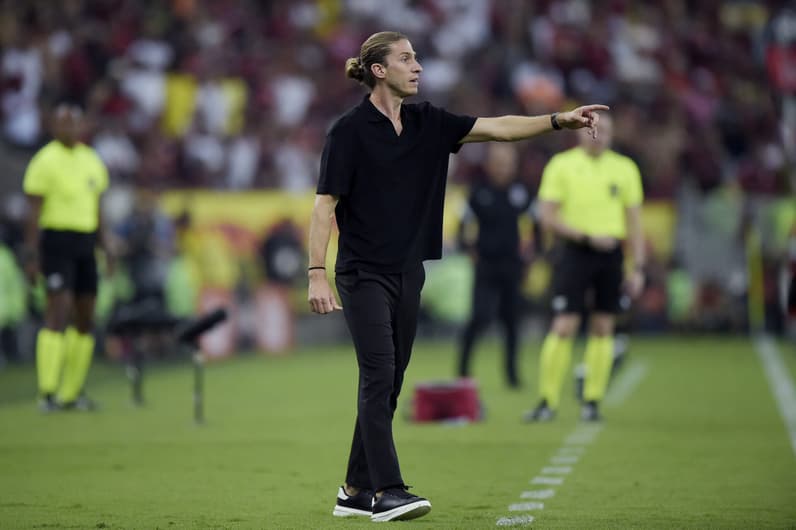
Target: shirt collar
[372, 114]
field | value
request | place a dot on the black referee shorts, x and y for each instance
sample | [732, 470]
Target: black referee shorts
[581, 272]
[67, 261]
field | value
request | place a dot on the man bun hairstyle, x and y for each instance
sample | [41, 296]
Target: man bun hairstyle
[373, 51]
[354, 69]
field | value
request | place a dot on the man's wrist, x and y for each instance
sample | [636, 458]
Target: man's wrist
[554, 121]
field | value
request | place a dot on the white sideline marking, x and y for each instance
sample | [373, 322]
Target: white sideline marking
[580, 439]
[526, 506]
[517, 520]
[538, 494]
[571, 450]
[583, 435]
[780, 383]
[550, 481]
[626, 382]
[557, 470]
[570, 459]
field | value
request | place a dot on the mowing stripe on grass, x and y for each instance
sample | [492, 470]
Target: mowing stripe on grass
[780, 383]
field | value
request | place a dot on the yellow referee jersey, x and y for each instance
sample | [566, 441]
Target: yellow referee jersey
[593, 192]
[70, 182]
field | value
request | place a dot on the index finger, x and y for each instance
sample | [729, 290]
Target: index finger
[590, 108]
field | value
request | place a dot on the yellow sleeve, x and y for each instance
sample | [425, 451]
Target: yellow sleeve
[633, 193]
[552, 186]
[37, 176]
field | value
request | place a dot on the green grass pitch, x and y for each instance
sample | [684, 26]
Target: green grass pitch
[699, 443]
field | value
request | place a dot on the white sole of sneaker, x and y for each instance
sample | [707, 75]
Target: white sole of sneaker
[344, 511]
[403, 513]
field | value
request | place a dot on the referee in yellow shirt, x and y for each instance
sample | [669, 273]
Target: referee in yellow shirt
[590, 197]
[64, 182]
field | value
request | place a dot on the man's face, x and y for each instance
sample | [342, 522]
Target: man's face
[67, 123]
[501, 164]
[402, 71]
[605, 133]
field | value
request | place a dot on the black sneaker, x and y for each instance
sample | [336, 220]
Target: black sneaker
[48, 404]
[397, 504]
[590, 412]
[348, 505]
[541, 413]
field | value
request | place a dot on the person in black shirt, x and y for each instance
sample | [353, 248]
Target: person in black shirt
[382, 178]
[496, 205]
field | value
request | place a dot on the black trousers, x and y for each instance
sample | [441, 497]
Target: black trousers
[381, 313]
[496, 291]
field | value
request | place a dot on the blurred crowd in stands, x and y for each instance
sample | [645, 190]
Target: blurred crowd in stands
[238, 95]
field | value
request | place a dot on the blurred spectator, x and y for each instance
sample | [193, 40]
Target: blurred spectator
[205, 70]
[21, 78]
[238, 95]
[282, 254]
[148, 243]
[115, 147]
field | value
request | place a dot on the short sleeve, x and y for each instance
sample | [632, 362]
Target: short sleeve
[552, 186]
[337, 165]
[37, 176]
[454, 128]
[633, 193]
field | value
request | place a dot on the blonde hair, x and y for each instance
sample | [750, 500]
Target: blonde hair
[373, 51]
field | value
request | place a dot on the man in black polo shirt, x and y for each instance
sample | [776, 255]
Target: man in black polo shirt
[495, 205]
[382, 177]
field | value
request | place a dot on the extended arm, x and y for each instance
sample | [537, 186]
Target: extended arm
[320, 295]
[513, 128]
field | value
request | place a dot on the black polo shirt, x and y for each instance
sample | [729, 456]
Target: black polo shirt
[498, 210]
[391, 187]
